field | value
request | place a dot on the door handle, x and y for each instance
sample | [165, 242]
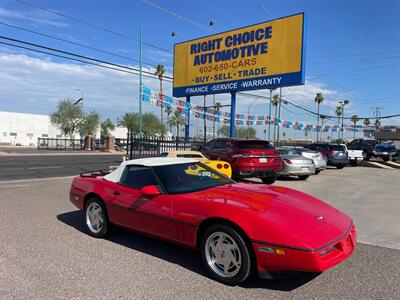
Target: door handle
[116, 192]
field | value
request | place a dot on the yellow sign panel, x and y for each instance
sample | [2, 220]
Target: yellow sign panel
[265, 55]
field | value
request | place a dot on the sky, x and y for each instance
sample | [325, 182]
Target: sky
[352, 52]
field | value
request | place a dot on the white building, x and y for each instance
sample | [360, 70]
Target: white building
[25, 129]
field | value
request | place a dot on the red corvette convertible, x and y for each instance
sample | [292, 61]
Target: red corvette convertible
[238, 228]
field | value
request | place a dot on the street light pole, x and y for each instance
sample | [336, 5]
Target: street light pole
[342, 104]
[205, 120]
[140, 82]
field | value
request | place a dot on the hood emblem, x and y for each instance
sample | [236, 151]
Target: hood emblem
[320, 218]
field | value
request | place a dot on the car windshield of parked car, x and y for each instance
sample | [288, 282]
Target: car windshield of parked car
[254, 145]
[189, 177]
[189, 155]
[286, 151]
[336, 148]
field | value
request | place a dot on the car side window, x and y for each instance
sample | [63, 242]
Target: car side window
[220, 144]
[210, 145]
[137, 177]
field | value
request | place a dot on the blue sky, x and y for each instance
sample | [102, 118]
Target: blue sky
[353, 51]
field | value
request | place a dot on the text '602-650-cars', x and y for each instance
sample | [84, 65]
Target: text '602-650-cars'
[239, 228]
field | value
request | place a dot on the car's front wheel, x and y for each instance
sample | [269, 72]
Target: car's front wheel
[269, 179]
[97, 223]
[226, 255]
[340, 166]
[303, 177]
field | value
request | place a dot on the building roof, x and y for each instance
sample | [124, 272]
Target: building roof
[147, 162]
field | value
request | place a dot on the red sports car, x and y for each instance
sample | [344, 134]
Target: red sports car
[238, 228]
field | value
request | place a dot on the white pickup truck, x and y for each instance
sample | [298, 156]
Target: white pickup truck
[354, 155]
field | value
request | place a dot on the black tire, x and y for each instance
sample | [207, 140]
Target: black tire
[246, 265]
[270, 179]
[353, 163]
[317, 172]
[340, 166]
[365, 156]
[105, 226]
[303, 177]
[386, 158]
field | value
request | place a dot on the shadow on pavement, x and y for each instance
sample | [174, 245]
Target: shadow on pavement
[184, 257]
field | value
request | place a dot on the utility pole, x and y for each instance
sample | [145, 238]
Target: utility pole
[140, 82]
[342, 104]
[377, 115]
[269, 114]
[214, 117]
[279, 115]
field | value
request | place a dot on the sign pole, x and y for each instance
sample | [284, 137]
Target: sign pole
[187, 125]
[233, 115]
[140, 83]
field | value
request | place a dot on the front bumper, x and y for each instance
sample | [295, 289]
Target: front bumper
[297, 170]
[306, 260]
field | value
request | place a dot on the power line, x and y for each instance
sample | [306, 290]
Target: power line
[217, 10]
[78, 55]
[175, 15]
[73, 43]
[74, 59]
[91, 25]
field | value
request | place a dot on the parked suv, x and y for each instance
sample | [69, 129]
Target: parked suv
[248, 157]
[336, 154]
[372, 148]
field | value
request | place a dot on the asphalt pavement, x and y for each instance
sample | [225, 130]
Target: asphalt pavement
[46, 165]
[46, 254]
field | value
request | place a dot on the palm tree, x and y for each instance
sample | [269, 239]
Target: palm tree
[160, 70]
[338, 113]
[367, 122]
[177, 120]
[217, 107]
[106, 127]
[319, 98]
[354, 119]
[275, 102]
[168, 110]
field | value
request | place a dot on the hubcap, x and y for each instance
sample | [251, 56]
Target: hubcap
[94, 217]
[223, 254]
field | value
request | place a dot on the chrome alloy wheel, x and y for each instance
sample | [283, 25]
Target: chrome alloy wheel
[94, 217]
[223, 254]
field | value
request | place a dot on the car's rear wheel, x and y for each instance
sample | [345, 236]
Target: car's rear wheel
[340, 166]
[269, 179]
[303, 177]
[225, 255]
[365, 156]
[386, 158]
[317, 172]
[97, 223]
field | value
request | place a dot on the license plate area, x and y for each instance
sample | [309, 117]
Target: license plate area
[305, 168]
[262, 159]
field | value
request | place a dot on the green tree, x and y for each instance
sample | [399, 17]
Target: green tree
[240, 131]
[354, 119]
[319, 99]
[151, 124]
[169, 110]
[160, 70]
[67, 117]
[106, 127]
[177, 120]
[89, 124]
[367, 122]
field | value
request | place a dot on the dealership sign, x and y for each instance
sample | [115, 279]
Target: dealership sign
[262, 56]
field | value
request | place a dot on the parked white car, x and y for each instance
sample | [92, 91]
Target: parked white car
[354, 156]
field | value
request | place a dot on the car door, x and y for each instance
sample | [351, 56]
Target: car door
[132, 209]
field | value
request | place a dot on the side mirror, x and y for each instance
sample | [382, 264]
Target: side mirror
[150, 190]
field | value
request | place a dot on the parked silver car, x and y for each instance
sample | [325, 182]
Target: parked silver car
[319, 160]
[295, 164]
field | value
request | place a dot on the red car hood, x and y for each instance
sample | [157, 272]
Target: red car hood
[285, 216]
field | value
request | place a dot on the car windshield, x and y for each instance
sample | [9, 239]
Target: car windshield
[189, 177]
[286, 151]
[336, 148]
[254, 145]
[189, 155]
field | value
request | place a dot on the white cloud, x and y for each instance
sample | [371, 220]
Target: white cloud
[36, 16]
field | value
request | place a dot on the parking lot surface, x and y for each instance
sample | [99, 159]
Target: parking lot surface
[45, 254]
